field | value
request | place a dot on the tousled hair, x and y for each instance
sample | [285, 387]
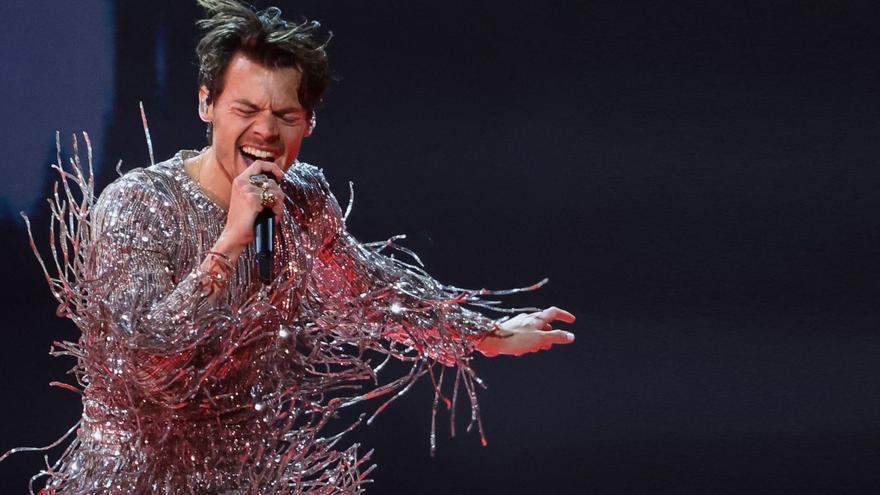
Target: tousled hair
[263, 36]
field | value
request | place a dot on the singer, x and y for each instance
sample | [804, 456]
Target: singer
[200, 377]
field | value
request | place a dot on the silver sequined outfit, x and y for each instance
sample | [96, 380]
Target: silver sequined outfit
[181, 395]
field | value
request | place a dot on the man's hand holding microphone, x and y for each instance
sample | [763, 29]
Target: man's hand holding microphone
[255, 196]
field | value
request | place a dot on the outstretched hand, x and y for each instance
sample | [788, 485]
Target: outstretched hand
[528, 332]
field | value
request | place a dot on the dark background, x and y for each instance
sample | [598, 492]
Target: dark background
[697, 179]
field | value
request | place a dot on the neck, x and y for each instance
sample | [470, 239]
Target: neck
[212, 178]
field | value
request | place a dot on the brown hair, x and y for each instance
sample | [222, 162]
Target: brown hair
[266, 38]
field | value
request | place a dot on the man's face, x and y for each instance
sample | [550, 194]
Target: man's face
[257, 116]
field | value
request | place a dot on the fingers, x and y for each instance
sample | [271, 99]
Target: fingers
[259, 167]
[553, 313]
[243, 181]
[256, 193]
[543, 341]
[523, 342]
[542, 320]
[246, 201]
[535, 321]
[557, 337]
[278, 207]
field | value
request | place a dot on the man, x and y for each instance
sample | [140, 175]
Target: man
[200, 378]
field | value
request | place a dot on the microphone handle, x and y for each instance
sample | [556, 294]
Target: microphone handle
[264, 242]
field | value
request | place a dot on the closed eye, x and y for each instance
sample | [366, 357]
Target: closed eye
[288, 116]
[245, 112]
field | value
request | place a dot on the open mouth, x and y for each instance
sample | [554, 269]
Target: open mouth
[252, 154]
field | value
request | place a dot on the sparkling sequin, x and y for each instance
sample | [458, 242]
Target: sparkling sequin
[186, 395]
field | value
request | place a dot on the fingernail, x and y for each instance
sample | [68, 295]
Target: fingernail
[569, 336]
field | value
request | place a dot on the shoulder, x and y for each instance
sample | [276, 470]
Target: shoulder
[140, 196]
[307, 185]
[315, 203]
[129, 192]
[159, 183]
[307, 176]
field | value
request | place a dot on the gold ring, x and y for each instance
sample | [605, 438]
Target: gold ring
[267, 199]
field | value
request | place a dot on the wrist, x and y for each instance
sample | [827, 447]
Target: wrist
[225, 246]
[487, 343]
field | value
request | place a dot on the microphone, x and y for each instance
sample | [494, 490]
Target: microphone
[264, 233]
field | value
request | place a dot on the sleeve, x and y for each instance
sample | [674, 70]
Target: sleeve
[149, 326]
[391, 298]
[131, 278]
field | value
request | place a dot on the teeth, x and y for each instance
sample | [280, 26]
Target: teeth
[257, 153]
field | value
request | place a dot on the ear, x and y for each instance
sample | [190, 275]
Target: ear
[310, 125]
[206, 110]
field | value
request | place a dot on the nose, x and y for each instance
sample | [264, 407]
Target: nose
[265, 127]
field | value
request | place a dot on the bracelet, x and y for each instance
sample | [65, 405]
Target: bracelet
[216, 276]
[496, 331]
[222, 256]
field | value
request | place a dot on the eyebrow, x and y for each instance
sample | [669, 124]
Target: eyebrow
[287, 110]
